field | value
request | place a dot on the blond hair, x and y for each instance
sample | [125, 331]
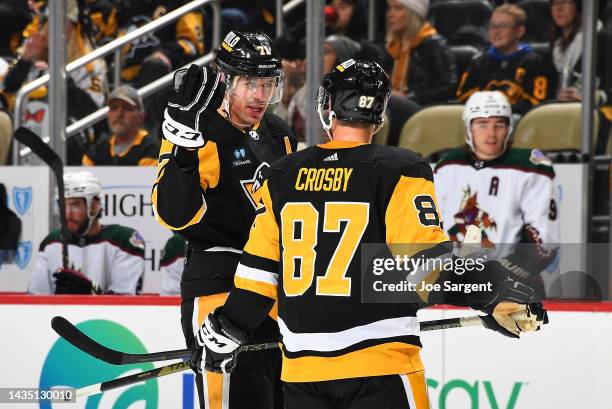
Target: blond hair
[414, 22]
[519, 15]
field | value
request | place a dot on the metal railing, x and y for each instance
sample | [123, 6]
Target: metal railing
[115, 46]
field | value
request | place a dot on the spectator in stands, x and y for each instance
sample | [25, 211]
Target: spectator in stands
[102, 259]
[129, 144]
[423, 65]
[6, 136]
[508, 65]
[566, 45]
[10, 226]
[171, 265]
[85, 86]
[158, 53]
[14, 17]
[347, 18]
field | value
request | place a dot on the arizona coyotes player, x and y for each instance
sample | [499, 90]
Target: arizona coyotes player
[509, 193]
[102, 259]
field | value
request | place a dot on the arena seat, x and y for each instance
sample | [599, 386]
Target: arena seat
[538, 20]
[382, 136]
[463, 56]
[462, 22]
[434, 130]
[552, 128]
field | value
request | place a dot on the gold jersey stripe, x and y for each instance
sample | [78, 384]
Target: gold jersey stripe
[402, 216]
[384, 359]
[259, 287]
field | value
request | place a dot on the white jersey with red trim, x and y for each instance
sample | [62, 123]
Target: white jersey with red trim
[513, 198]
[114, 259]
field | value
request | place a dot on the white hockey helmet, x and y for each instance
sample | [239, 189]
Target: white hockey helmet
[83, 185]
[486, 104]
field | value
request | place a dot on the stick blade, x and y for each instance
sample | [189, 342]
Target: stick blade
[74, 336]
[41, 149]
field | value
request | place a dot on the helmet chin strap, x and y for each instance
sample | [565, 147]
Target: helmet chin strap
[326, 126]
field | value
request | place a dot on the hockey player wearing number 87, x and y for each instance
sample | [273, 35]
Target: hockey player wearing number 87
[218, 144]
[507, 192]
[319, 206]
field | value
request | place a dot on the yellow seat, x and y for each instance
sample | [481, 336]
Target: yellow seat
[434, 129]
[382, 136]
[552, 127]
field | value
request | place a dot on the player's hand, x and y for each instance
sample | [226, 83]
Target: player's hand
[511, 319]
[216, 343]
[71, 281]
[516, 308]
[196, 92]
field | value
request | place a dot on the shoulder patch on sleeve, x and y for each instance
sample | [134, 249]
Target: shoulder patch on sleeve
[127, 239]
[538, 157]
[136, 240]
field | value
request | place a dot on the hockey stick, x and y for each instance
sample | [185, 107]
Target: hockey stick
[162, 371]
[182, 366]
[131, 379]
[74, 336]
[44, 152]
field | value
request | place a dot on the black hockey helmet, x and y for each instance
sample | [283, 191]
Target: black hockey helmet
[249, 55]
[355, 91]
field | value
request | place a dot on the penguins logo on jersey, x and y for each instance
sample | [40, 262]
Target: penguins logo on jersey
[251, 186]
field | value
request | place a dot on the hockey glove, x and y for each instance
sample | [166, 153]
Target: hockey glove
[217, 341]
[515, 309]
[70, 281]
[196, 92]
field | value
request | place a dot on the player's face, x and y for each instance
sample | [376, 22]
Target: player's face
[563, 12]
[124, 119]
[397, 15]
[250, 98]
[488, 136]
[76, 215]
[504, 33]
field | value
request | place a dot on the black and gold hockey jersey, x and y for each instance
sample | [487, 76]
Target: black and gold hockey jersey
[319, 206]
[213, 202]
[521, 76]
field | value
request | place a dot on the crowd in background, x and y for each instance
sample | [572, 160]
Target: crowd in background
[435, 52]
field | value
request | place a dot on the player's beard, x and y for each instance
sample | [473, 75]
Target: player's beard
[81, 229]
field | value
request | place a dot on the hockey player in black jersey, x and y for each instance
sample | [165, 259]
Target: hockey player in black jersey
[318, 207]
[218, 145]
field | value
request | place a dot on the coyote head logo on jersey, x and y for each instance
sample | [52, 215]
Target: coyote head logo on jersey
[251, 186]
[470, 213]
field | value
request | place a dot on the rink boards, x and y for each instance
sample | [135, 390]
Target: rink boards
[127, 201]
[567, 365]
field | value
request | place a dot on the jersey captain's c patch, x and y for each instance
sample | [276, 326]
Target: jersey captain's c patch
[251, 186]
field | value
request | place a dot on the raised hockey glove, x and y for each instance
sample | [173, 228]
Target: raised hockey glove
[218, 339]
[196, 92]
[516, 308]
[71, 281]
